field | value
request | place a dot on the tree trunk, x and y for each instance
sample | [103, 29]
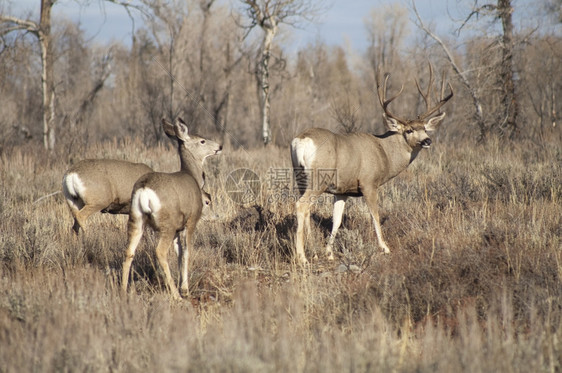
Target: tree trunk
[263, 81]
[47, 76]
[225, 103]
[510, 106]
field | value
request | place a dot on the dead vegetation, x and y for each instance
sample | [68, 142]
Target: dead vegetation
[473, 282]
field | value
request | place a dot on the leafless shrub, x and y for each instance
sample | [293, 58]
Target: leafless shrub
[345, 114]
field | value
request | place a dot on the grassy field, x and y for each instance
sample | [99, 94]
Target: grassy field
[473, 282]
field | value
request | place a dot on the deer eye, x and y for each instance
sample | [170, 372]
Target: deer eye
[409, 131]
[202, 142]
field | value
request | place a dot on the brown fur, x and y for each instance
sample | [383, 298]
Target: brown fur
[171, 203]
[362, 163]
[108, 184]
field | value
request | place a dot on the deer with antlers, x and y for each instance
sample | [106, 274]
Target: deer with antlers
[362, 162]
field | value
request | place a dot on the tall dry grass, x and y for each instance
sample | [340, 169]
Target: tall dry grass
[473, 282]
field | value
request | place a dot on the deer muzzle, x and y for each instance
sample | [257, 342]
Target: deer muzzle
[426, 143]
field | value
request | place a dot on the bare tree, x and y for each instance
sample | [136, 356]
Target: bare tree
[219, 100]
[169, 18]
[268, 15]
[510, 101]
[104, 70]
[387, 29]
[507, 120]
[42, 31]
[476, 101]
[542, 88]
[198, 73]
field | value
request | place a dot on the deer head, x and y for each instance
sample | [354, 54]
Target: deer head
[192, 149]
[414, 130]
[199, 147]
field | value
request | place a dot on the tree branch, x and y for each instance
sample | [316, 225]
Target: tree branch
[127, 5]
[477, 11]
[19, 24]
[476, 101]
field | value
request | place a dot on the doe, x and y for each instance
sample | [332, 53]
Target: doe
[94, 185]
[171, 203]
[105, 185]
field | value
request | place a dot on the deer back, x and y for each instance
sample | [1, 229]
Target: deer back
[354, 159]
[106, 182]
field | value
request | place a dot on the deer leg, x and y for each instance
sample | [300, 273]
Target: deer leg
[186, 237]
[177, 244]
[339, 205]
[134, 231]
[80, 216]
[299, 245]
[371, 197]
[76, 227]
[74, 205]
[303, 206]
[166, 239]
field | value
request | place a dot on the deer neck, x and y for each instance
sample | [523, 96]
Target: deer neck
[399, 153]
[191, 165]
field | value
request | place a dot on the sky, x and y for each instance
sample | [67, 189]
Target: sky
[341, 24]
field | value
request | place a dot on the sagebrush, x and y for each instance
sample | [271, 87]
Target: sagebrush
[473, 282]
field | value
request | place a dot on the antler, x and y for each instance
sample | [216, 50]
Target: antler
[443, 100]
[384, 101]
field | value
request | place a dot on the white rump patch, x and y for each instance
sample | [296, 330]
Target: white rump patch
[72, 186]
[303, 151]
[145, 201]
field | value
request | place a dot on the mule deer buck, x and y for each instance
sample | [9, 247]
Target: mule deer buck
[171, 203]
[105, 185]
[361, 162]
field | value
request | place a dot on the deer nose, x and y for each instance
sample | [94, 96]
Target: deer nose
[426, 143]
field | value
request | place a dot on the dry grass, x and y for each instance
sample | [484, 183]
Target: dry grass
[473, 282]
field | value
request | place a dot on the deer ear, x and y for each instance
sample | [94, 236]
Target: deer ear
[392, 124]
[181, 130]
[433, 123]
[168, 128]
